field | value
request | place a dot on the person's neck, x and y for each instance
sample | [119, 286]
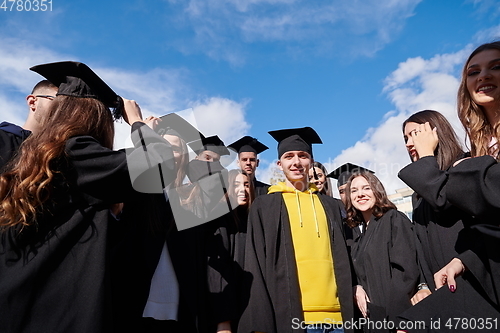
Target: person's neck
[367, 215]
[30, 125]
[299, 185]
[251, 176]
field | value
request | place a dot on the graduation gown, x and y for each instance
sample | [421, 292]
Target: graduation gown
[385, 261]
[226, 255]
[260, 187]
[470, 187]
[438, 225]
[465, 310]
[54, 276]
[146, 224]
[474, 186]
[275, 301]
[11, 137]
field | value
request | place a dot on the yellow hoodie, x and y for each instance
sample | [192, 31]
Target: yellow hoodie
[313, 254]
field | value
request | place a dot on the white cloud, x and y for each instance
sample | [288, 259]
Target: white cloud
[490, 34]
[221, 116]
[12, 112]
[222, 28]
[158, 92]
[417, 84]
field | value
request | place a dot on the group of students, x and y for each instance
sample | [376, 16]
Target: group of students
[97, 240]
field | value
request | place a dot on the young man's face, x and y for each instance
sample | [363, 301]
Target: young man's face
[248, 162]
[342, 193]
[40, 102]
[295, 165]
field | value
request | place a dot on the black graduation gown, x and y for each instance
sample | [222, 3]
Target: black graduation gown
[226, 255]
[11, 137]
[145, 226]
[260, 187]
[472, 307]
[269, 258]
[470, 187]
[465, 310]
[438, 225]
[474, 186]
[54, 276]
[385, 261]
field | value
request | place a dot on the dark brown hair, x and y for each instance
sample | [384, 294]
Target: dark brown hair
[448, 149]
[42, 86]
[327, 187]
[382, 203]
[27, 185]
[231, 179]
[472, 115]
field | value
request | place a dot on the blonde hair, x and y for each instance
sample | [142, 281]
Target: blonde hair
[472, 115]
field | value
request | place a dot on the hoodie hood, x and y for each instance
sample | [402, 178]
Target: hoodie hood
[291, 199]
[282, 187]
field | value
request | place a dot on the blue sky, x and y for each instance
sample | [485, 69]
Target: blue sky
[353, 70]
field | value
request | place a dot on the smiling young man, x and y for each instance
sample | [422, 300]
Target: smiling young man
[294, 233]
[248, 148]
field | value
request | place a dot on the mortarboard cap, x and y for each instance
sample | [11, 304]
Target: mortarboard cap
[78, 80]
[212, 143]
[343, 172]
[248, 144]
[295, 139]
[173, 124]
[200, 169]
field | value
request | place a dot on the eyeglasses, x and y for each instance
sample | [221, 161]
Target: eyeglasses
[46, 96]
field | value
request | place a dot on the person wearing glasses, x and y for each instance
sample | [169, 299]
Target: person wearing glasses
[11, 135]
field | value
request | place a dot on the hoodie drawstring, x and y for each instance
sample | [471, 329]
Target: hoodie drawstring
[314, 211]
[298, 205]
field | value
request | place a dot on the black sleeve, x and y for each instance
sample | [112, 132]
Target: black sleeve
[109, 175]
[474, 186]
[256, 316]
[9, 144]
[221, 271]
[425, 178]
[405, 273]
[482, 258]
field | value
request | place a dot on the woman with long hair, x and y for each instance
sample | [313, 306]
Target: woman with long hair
[384, 257]
[433, 147]
[54, 206]
[317, 176]
[474, 183]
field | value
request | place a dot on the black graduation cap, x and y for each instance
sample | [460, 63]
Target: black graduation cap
[212, 143]
[78, 80]
[174, 124]
[248, 144]
[299, 139]
[343, 172]
[198, 169]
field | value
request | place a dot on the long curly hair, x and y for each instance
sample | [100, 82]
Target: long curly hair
[472, 115]
[354, 217]
[27, 187]
[448, 149]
